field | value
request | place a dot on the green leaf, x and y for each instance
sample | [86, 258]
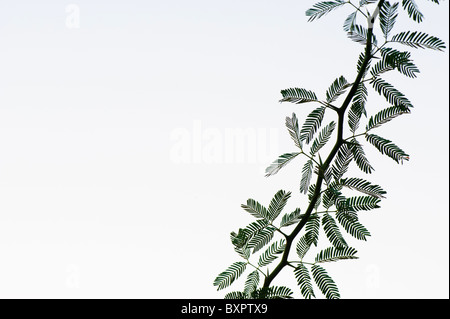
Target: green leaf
[360, 34]
[420, 40]
[343, 158]
[360, 157]
[325, 282]
[292, 126]
[304, 281]
[336, 89]
[332, 231]
[273, 292]
[235, 295]
[388, 148]
[351, 224]
[413, 11]
[312, 124]
[251, 284]
[349, 23]
[304, 243]
[241, 240]
[306, 176]
[227, 277]
[334, 254]
[255, 236]
[332, 195]
[360, 64]
[271, 253]
[311, 191]
[313, 227]
[262, 238]
[388, 15]
[358, 203]
[358, 107]
[291, 218]
[320, 9]
[255, 209]
[279, 163]
[277, 204]
[363, 186]
[393, 59]
[391, 94]
[323, 138]
[298, 96]
[385, 116]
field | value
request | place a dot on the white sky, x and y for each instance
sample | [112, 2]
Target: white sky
[120, 175]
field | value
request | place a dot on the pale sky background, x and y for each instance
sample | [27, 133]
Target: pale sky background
[119, 172]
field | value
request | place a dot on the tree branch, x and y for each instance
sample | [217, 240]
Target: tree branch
[339, 141]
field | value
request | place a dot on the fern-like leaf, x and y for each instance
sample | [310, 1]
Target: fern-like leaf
[393, 59]
[360, 34]
[294, 132]
[241, 240]
[336, 89]
[358, 107]
[227, 277]
[388, 148]
[358, 203]
[279, 163]
[320, 9]
[291, 218]
[304, 281]
[273, 292]
[271, 253]
[322, 138]
[332, 231]
[255, 209]
[349, 22]
[388, 15]
[360, 157]
[343, 158]
[413, 10]
[325, 283]
[350, 223]
[334, 254]
[418, 39]
[277, 204]
[313, 227]
[391, 94]
[312, 124]
[363, 186]
[298, 96]
[360, 64]
[251, 284]
[306, 176]
[261, 239]
[235, 295]
[385, 116]
[303, 244]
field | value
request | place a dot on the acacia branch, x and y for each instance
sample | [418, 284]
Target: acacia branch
[339, 141]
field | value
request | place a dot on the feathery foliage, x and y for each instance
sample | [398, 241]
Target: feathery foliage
[325, 283]
[334, 199]
[419, 40]
[304, 281]
[322, 8]
[298, 96]
[388, 15]
[312, 124]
